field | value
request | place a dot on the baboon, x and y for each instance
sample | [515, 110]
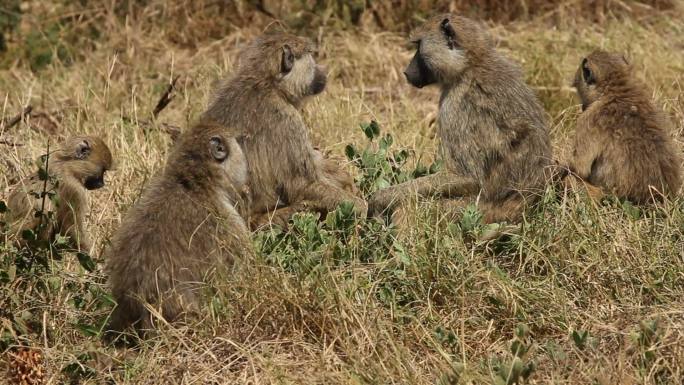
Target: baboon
[492, 129]
[183, 227]
[79, 164]
[622, 144]
[276, 73]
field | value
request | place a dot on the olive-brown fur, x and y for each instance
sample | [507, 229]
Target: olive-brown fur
[77, 165]
[275, 74]
[183, 227]
[492, 129]
[622, 140]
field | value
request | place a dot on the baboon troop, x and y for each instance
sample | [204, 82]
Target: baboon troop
[184, 226]
[622, 141]
[79, 164]
[249, 164]
[276, 73]
[492, 129]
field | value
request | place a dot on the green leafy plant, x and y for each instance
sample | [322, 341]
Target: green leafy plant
[382, 166]
[518, 369]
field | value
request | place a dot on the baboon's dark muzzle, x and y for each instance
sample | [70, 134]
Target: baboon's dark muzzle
[94, 183]
[319, 81]
[417, 73]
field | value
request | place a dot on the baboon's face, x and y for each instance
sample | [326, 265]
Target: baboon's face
[443, 47]
[86, 159]
[595, 72]
[300, 76]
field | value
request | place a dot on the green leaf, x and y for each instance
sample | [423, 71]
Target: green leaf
[386, 141]
[87, 330]
[375, 128]
[580, 338]
[351, 152]
[436, 166]
[471, 218]
[521, 330]
[86, 261]
[518, 348]
[28, 235]
[3, 207]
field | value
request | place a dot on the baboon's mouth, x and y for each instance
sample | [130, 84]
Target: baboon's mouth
[318, 84]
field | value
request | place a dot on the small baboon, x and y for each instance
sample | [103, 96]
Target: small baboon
[183, 227]
[492, 129]
[622, 143]
[276, 73]
[79, 164]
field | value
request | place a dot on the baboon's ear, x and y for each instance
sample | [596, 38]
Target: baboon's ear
[448, 32]
[288, 59]
[587, 74]
[218, 148]
[82, 149]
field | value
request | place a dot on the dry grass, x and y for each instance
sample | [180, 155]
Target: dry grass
[348, 306]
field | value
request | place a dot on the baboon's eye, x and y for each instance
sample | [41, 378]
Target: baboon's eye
[449, 33]
[83, 150]
[587, 74]
[288, 59]
[218, 148]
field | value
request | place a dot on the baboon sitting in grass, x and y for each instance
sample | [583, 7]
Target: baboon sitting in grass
[183, 227]
[622, 144]
[276, 73]
[492, 129]
[79, 164]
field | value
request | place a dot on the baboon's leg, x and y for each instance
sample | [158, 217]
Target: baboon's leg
[441, 184]
[574, 183]
[278, 217]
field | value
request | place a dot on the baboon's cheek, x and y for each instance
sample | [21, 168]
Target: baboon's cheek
[319, 81]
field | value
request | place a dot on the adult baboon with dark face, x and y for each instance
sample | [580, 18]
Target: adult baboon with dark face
[492, 129]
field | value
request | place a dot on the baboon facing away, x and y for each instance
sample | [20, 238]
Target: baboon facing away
[622, 143]
[79, 164]
[276, 73]
[492, 129]
[183, 227]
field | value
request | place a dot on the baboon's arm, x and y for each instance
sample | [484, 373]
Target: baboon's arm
[587, 150]
[71, 214]
[443, 183]
[324, 196]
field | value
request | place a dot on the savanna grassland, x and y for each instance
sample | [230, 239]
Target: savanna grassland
[587, 292]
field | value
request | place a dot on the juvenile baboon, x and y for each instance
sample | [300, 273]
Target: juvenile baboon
[622, 143]
[79, 164]
[492, 129]
[184, 225]
[276, 73]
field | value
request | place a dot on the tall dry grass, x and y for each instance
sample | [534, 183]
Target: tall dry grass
[588, 293]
